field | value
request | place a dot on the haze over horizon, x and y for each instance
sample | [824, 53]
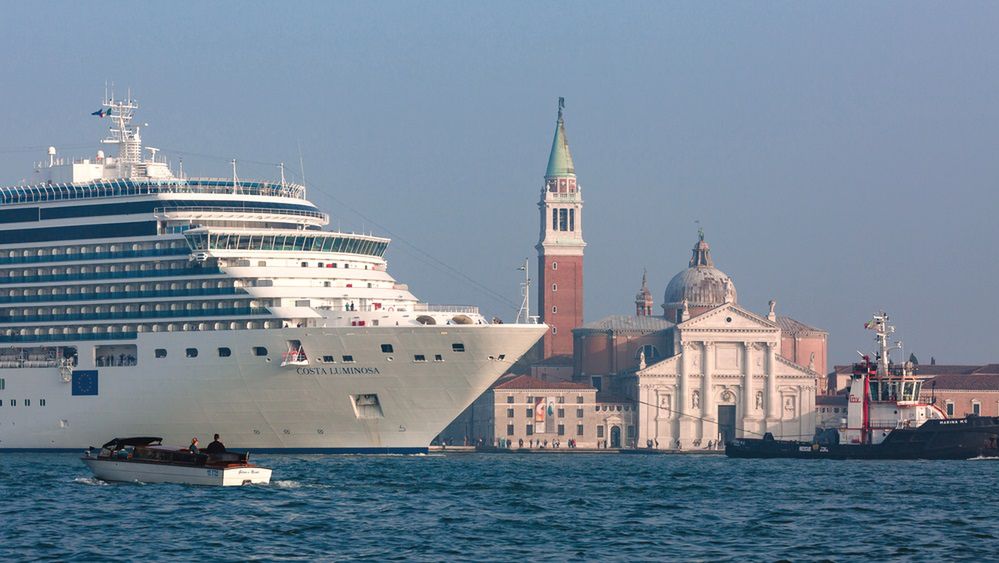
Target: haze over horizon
[786, 130]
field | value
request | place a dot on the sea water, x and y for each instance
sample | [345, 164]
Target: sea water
[508, 507]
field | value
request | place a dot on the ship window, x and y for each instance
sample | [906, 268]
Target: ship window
[329, 360]
[191, 352]
[419, 358]
[3, 383]
[13, 402]
[305, 264]
[259, 351]
[950, 408]
[458, 347]
[160, 353]
[224, 352]
[437, 358]
[41, 402]
[387, 348]
[348, 359]
[27, 402]
[261, 263]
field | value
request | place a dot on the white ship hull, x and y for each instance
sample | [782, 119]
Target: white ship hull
[130, 471]
[255, 403]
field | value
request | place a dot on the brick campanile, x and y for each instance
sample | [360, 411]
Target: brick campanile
[560, 247]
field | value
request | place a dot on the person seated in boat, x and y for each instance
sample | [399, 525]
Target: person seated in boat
[216, 447]
[194, 445]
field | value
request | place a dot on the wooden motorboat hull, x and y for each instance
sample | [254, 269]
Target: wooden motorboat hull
[144, 472]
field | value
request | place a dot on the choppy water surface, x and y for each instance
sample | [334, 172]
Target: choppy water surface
[510, 507]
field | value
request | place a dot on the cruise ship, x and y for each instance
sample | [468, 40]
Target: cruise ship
[139, 302]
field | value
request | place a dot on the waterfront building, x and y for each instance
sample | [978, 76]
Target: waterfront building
[708, 369]
[524, 412]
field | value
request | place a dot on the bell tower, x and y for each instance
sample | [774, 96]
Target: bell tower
[560, 248]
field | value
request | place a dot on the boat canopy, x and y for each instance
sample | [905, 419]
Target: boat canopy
[135, 442]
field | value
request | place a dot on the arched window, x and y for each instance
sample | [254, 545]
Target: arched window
[651, 353]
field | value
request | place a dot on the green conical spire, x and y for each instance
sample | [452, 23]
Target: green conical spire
[560, 160]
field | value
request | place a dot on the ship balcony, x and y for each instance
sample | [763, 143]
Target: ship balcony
[126, 315]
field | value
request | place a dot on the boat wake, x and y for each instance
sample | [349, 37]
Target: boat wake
[93, 481]
[984, 458]
[286, 484]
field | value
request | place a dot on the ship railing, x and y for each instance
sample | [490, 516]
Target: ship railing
[111, 316]
[121, 187]
[428, 308]
[228, 211]
[83, 256]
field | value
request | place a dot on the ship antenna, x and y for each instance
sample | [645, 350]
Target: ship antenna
[235, 178]
[282, 175]
[525, 306]
[301, 163]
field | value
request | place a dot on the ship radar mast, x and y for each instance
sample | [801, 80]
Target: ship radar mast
[121, 132]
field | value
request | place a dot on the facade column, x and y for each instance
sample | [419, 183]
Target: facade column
[773, 412]
[748, 399]
[709, 412]
[683, 426]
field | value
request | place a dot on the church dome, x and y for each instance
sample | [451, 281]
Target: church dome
[701, 285]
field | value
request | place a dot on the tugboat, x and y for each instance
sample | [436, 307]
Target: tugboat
[147, 460]
[885, 420]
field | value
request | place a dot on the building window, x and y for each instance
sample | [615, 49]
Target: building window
[650, 351]
[554, 287]
[224, 352]
[579, 413]
[950, 408]
[160, 353]
[579, 399]
[530, 399]
[259, 351]
[572, 219]
[509, 430]
[509, 413]
[554, 219]
[554, 265]
[457, 347]
[631, 431]
[600, 431]
[387, 348]
[579, 430]
[976, 408]
[554, 309]
[561, 399]
[597, 382]
[563, 220]
[348, 359]
[438, 358]
[554, 330]
[561, 430]
[530, 430]
[509, 398]
[561, 413]
[191, 352]
[529, 412]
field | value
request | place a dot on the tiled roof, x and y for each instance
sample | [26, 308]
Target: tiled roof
[603, 397]
[629, 322]
[528, 382]
[555, 361]
[794, 327]
[972, 382]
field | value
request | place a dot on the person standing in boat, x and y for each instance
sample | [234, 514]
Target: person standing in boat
[194, 445]
[216, 447]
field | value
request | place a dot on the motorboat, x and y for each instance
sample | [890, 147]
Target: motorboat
[147, 460]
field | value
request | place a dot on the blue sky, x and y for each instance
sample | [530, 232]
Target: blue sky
[786, 129]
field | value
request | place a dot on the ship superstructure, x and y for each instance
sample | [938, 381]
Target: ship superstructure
[136, 301]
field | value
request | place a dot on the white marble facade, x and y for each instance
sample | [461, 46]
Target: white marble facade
[727, 380]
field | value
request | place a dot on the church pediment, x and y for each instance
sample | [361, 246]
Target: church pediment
[669, 366]
[728, 317]
[787, 368]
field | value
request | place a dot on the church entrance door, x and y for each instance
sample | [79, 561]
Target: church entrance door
[615, 436]
[726, 422]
